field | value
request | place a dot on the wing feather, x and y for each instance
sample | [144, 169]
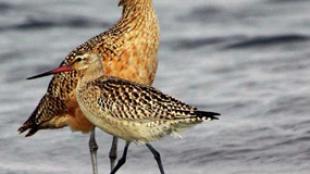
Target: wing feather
[135, 102]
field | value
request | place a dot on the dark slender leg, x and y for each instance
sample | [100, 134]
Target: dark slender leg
[93, 147]
[157, 157]
[113, 152]
[122, 160]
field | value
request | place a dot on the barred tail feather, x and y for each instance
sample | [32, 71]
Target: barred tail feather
[207, 115]
[46, 115]
[196, 118]
[30, 125]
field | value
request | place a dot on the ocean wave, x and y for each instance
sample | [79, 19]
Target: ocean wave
[264, 41]
[5, 7]
[286, 1]
[189, 44]
[32, 23]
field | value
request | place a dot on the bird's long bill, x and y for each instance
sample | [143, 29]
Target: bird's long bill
[60, 69]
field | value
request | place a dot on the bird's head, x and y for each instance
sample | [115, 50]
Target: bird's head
[79, 63]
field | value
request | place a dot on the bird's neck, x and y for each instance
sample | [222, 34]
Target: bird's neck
[134, 6]
[136, 13]
[93, 72]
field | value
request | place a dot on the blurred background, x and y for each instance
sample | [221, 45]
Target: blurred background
[248, 60]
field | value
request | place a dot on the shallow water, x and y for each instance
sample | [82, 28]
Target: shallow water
[248, 60]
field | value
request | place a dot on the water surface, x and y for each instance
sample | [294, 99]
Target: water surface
[248, 60]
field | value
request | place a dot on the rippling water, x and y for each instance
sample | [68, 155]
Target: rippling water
[248, 60]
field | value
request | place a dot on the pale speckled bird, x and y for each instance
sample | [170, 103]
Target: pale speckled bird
[128, 110]
[129, 51]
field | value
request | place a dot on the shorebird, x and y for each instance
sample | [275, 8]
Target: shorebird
[131, 111]
[129, 51]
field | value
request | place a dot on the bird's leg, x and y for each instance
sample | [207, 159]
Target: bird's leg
[122, 160]
[157, 157]
[93, 147]
[113, 152]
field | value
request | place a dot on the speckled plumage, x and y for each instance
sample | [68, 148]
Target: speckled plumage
[129, 51]
[133, 111]
[125, 109]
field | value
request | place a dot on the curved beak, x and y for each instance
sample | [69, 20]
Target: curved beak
[65, 68]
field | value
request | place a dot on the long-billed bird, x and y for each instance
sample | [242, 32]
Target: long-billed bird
[131, 111]
[129, 51]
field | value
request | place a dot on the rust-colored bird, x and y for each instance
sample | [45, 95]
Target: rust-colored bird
[129, 51]
[128, 110]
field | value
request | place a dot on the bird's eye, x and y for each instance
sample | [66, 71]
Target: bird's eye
[78, 60]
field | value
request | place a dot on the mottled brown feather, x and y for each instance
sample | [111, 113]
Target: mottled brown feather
[127, 100]
[135, 112]
[129, 51]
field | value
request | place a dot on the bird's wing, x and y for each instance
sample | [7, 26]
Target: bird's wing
[135, 102]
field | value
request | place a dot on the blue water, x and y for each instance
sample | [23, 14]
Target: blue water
[249, 60]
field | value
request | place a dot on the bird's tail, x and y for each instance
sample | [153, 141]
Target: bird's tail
[30, 124]
[205, 115]
[194, 118]
[46, 115]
